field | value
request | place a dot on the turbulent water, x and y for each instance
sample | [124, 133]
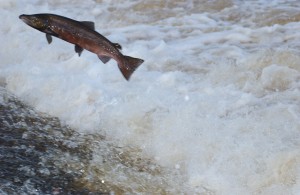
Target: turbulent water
[214, 109]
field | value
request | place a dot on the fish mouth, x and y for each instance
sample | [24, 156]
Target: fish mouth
[21, 16]
[26, 19]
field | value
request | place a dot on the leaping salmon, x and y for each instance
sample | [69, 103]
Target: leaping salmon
[83, 36]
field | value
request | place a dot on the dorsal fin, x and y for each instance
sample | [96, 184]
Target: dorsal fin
[89, 24]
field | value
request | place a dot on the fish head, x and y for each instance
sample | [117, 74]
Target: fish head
[37, 21]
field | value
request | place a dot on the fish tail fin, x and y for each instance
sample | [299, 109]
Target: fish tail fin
[128, 66]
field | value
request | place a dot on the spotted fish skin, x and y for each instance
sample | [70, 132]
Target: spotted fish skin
[83, 35]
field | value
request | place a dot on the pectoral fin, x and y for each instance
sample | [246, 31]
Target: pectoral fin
[78, 49]
[49, 38]
[89, 24]
[104, 59]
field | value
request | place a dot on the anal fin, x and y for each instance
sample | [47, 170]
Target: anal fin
[104, 59]
[78, 49]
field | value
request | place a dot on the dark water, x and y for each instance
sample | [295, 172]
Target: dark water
[35, 151]
[40, 155]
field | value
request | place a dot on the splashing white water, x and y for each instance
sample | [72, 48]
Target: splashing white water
[216, 99]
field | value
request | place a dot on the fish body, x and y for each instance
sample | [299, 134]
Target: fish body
[83, 35]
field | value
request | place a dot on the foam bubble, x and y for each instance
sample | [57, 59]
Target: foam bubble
[216, 99]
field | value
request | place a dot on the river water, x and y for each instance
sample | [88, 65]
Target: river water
[214, 109]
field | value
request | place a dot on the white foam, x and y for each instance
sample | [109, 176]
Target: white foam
[217, 97]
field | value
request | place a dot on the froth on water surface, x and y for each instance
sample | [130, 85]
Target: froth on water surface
[215, 105]
[39, 155]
